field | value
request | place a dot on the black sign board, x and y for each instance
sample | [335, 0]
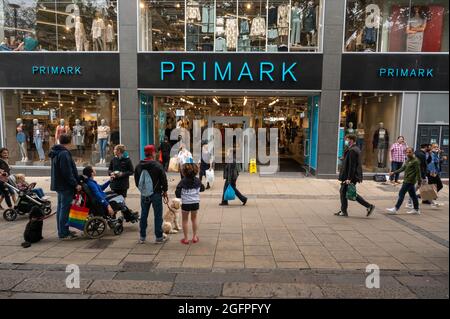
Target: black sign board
[230, 71]
[395, 72]
[59, 70]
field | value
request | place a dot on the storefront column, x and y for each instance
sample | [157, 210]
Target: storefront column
[129, 102]
[330, 101]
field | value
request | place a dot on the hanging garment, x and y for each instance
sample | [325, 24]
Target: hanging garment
[272, 34]
[244, 43]
[220, 26]
[245, 28]
[80, 36]
[309, 19]
[272, 17]
[193, 11]
[414, 41]
[370, 35]
[283, 20]
[208, 18]
[192, 37]
[231, 32]
[221, 44]
[258, 28]
[272, 48]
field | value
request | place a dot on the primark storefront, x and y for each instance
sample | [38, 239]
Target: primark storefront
[131, 71]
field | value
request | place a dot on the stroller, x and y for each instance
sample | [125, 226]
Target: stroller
[27, 199]
[99, 219]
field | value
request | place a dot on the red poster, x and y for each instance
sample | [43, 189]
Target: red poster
[432, 40]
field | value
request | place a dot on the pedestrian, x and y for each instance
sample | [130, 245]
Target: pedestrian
[424, 156]
[397, 157]
[64, 181]
[351, 173]
[120, 170]
[412, 177]
[165, 149]
[153, 187]
[5, 172]
[205, 162]
[189, 190]
[184, 156]
[230, 175]
[434, 170]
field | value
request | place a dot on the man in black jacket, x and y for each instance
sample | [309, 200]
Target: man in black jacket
[64, 181]
[351, 173]
[120, 170]
[165, 149]
[160, 187]
[424, 157]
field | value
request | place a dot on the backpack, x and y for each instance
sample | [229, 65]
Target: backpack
[146, 184]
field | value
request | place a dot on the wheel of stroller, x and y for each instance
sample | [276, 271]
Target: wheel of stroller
[118, 229]
[47, 208]
[10, 215]
[95, 227]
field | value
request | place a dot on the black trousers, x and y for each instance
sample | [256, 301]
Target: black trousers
[344, 200]
[435, 180]
[4, 191]
[239, 195]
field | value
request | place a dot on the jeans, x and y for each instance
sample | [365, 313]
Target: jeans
[360, 143]
[65, 199]
[102, 143]
[295, 32]
[39, 192]
[411, 190]
[146, 203]
[344, 200]
[395, 166]
[241, 197]
[39, 148]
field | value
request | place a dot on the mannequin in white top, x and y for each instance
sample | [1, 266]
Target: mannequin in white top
[103, 135]
[21, 139]
[110, 36]
[80, 34]
[98, 32]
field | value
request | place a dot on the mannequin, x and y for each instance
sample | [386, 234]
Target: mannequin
[38, 139]
[78, 134]
[110, 36]
[381, 144]
[98, 32]
[103, 134]
[310, 23]
[283, 21]
[360, 135]
[60, 130]
[350, 129]
[415, 31]
[21, 139]
[80, 34]
[296, 23]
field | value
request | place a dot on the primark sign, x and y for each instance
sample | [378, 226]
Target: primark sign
[230, 71]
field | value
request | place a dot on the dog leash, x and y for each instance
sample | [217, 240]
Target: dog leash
[166, 201]
[46, 217]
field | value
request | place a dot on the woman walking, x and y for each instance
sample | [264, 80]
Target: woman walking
[230, 175]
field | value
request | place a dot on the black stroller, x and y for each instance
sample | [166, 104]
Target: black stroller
[99, 219]
[27, 199]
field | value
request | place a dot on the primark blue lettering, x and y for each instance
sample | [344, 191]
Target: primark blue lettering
[405, 73]
[56, 70]
[260, 72]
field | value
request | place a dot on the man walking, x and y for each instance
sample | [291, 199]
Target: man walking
[412, 176]
[151, 180]
[351, 173]
[424, 157]
[64, 181]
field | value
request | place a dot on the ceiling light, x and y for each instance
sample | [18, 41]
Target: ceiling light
[245, 101]
[274, 102]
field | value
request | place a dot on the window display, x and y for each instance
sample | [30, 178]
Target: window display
[230, 26]
[58, 25]
[397, 26]
[36, 120]
[375, 120]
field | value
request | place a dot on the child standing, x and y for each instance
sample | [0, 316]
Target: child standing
[189, 191]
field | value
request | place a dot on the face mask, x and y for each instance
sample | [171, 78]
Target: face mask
[347, 143]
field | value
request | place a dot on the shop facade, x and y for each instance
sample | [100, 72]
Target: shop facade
[229, 64]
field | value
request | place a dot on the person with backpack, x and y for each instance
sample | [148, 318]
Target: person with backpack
[151, 180]
[230, 175]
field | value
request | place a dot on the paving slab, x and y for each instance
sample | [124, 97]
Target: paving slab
[130, 287]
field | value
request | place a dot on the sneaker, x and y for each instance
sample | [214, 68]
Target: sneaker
[370, 210]
[245, 202]
[409, 205]
[414, 212]
[436, 204]
[392, 211]
[160, 241]
[71, 236]
[341, 214]
[141, 240]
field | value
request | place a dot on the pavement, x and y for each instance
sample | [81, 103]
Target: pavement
[285, 243]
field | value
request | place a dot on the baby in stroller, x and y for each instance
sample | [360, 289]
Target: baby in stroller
[23, 185]
[110, 202]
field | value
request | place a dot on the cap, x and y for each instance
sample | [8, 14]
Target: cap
[149, 149]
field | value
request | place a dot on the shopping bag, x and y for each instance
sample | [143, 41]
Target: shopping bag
[160, 157]
[210, 176]
[174, 167]
[351, 192]
[78, 214]
[428, 192]
[229, 194]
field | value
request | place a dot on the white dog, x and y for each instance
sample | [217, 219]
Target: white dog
[170, 224]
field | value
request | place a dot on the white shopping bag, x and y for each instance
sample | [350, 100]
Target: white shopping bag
[210, 176]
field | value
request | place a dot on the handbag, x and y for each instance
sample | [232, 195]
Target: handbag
[210, 176]
[230, 194]
[78, 214]
[174, 167]
[351, 192]
[428, 192]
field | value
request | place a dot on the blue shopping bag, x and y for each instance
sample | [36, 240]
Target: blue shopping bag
[229, 194]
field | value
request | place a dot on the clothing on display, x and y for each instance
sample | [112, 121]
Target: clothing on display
[283, 20]
[21, 139]
[272, 34]
[208, 18]
[110, 37]
[231, 32]
[244, 43]
[245, 27]
[370, 35]
[414, 41]
[381, 144]
[80, 34]
[309, 19]
[360, 138]
[38, 140]
[220, 26]
[296, 25]
[192, 38]
[103, 131]
[60, 130]
[221, 44]
[272, 16]
[98, 31]
[258, 28]
[193, 11]
[272, 48]
[78, 135]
